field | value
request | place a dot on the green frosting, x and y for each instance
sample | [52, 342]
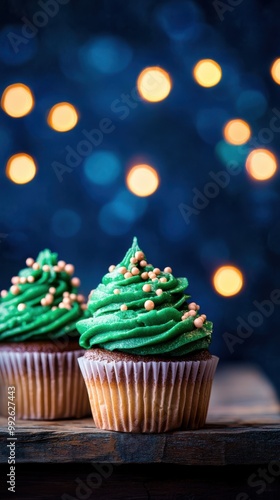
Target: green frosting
[39, 306]
[137, 330]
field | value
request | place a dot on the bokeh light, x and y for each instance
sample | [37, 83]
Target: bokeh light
[237, 132]
[231, 155]
[21, 168]
[117, 216]
[142, 180]
[62, 117]
[261, 164]
[154, 84]
[275, 71]
[251, 104]
[207, 73]
[180, 20]
[66, 223]
[107, 54]
[102, 167]
[15, 48]
[17, 100]
[228, 280]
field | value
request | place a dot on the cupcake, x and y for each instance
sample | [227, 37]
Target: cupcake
[39, 341]
[147, 366]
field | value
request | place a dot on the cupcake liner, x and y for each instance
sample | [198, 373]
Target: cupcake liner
[148, 396]
[47, 385]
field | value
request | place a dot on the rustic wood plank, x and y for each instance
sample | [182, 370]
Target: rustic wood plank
[243, 427]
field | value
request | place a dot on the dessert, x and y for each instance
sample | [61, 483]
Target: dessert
[39, 341]
[147, 367]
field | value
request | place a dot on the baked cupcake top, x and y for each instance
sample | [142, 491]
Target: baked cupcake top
[140, 309]
[43, 301]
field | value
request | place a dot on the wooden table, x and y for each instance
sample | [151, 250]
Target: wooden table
[241, 434]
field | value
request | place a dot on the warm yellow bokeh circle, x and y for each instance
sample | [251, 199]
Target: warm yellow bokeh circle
[261, 164]
[62, 117]
[142, 180]
[21, 168]
[207, 72]
[154, 84]
[237, 132]
[228, 280]
[17, 100]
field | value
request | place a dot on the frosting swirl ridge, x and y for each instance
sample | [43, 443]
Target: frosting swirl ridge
[140, 309]
[43, 301]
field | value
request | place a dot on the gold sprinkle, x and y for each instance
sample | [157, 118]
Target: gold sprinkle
[139, 255]
[135, 271]
[15, 280]
[69, 269]
[168, 270]
[21, 307]
[149, 305]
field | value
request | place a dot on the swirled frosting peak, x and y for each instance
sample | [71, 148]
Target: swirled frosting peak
[43, 301]
[140, 309]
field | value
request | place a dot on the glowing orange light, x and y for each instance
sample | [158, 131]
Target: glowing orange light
[17, 100]
[228, 280]
[275, 71]
[207, 73]
[62, 117]
[154, 84]
[237, 132]
[261, 164]
[21, 168]
[142, 180]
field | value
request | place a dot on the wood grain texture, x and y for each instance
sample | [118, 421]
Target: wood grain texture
[243, 427]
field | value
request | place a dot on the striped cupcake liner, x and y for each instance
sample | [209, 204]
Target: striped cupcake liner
[148, 396]
[47, 385]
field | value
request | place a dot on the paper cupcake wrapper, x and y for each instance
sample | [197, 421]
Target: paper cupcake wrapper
[148, 397]
[47, 385]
